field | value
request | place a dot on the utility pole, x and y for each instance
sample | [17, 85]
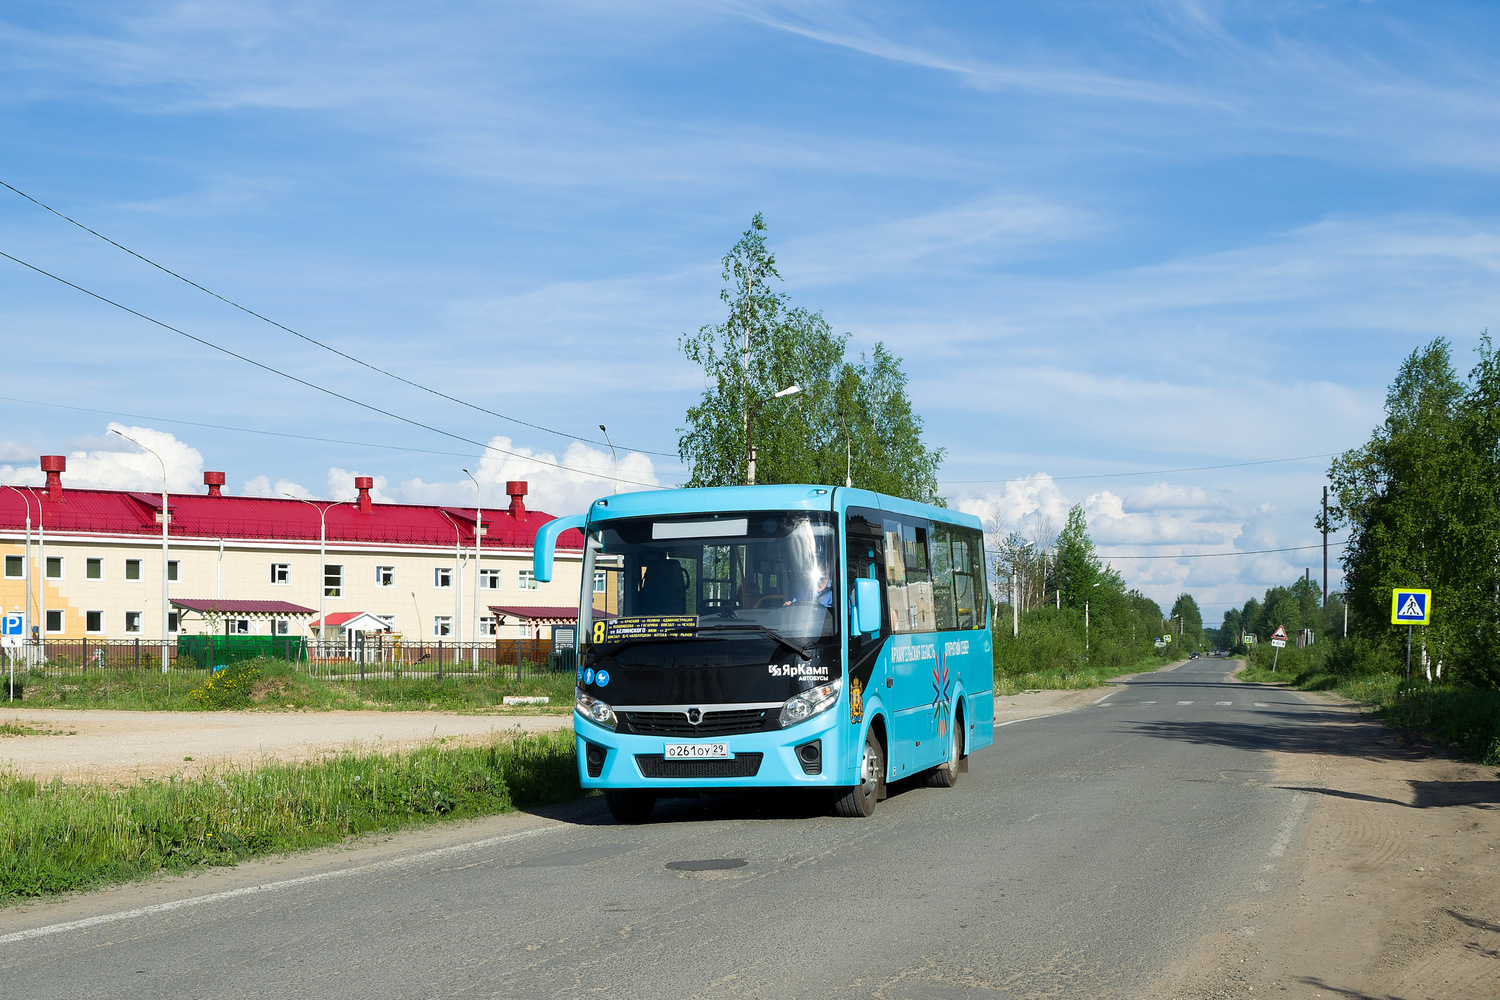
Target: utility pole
[478, 539]
[1015, 610]
[1325, 546]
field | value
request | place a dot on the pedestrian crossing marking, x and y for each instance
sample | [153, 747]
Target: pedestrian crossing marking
[1148, 703]
[1223, 703]
[1261, 704]
[1184, 703]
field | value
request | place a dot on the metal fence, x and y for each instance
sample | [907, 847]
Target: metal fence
[379, 657]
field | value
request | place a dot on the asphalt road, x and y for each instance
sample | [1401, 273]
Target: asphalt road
[1078, 857]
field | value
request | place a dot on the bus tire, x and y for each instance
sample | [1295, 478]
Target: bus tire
[860, 799]
[945, 775]
[629, 805]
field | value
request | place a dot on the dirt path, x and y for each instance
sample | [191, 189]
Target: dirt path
[123, 746]
[1387, 891]
[108, 745]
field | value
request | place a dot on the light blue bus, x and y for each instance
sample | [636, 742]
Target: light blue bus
[777, 637]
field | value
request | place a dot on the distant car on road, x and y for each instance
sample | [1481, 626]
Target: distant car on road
[1192, 656]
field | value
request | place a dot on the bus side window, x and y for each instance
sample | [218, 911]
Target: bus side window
[943, 567]
[865, 560]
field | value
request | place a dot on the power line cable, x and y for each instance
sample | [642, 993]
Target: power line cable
[323, 389]
[238, 430]
[1117, 475]
[318, 343]
[1237, 552]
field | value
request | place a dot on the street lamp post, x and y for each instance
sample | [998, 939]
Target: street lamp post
[478, 540]
[614, 462]
[322, 578]
[790, 390]
[26, 573]
[166, 519]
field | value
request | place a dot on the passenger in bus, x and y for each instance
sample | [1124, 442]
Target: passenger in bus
[664, 585]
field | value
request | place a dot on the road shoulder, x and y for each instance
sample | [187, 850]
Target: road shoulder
[1387, 888]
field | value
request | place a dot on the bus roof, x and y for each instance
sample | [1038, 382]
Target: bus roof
[783, 497]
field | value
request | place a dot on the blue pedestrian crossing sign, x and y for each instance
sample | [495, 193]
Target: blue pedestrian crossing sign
[1411, 607]
[12, 624]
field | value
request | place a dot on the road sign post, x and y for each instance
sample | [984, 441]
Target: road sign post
[12, 631]
[1410, 606]
[1278, 640]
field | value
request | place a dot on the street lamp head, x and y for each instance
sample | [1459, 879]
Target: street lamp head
[601, 427]
[790, 390]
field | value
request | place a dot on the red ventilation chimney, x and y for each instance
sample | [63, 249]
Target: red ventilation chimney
[516, 490]
[54, 466]
[215, 483]
[363, 484]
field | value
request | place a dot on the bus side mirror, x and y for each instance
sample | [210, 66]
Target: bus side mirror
[866, 605]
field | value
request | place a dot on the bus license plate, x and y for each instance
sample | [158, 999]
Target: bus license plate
[697, 751]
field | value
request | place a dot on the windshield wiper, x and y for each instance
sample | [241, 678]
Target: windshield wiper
[740, 625]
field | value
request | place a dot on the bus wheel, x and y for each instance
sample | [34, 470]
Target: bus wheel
[629, 805]
[860, 800]
[945, 775]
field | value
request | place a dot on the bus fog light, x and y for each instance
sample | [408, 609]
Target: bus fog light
[593, 709]
[809, 703]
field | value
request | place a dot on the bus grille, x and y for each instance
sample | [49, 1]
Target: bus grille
[751, 720]
[654, 765]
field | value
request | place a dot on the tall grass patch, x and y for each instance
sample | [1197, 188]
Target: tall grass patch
[57, 837]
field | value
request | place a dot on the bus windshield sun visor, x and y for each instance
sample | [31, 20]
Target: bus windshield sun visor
[737, 527]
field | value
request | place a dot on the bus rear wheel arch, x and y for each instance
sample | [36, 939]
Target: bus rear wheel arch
[945, 775]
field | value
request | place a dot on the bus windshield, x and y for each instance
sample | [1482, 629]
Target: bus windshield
[752, 571]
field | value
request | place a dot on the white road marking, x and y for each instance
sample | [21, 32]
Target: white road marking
[1148, 703]
[1184, 703]
[291, 883]
[1100, 700]
[1284, 835]
[1261, 704]
[1223, 703]
[1012, 722]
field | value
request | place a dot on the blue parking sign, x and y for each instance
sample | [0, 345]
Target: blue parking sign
[12, 624]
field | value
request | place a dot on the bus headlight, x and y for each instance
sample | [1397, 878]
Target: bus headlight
[593, 709]
[809, 703]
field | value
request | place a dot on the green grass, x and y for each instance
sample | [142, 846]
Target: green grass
[57, 837]
[278, 686]
[1068, 678]
[1458, 716]
[17, 727]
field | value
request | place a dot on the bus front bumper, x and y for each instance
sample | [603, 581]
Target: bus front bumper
[776, 759]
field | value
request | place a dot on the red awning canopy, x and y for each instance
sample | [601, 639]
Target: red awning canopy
[217, 606]
[557, 614]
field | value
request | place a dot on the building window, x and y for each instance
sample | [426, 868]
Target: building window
[489, 579]
[93, 621]
[54, 621]
[390, 621]
[132, 621]
[385, 576]
[442, 625]
[237, 626]
[598, 581]
[15, 567]
[280, 626]
[54, 568]
[333, 581]
[93, 569]
[132, 569]
[281, 574]
[171, 621]
[526, 579]
[487, 625]
[442, 577]
[172, 570]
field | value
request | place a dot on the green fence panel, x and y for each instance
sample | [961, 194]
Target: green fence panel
[222, 650]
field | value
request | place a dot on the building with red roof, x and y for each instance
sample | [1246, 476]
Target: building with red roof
[95, 562]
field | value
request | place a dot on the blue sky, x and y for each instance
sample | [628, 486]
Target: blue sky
[1107, 238]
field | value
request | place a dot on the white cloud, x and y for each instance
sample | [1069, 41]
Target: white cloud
[117, 464]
